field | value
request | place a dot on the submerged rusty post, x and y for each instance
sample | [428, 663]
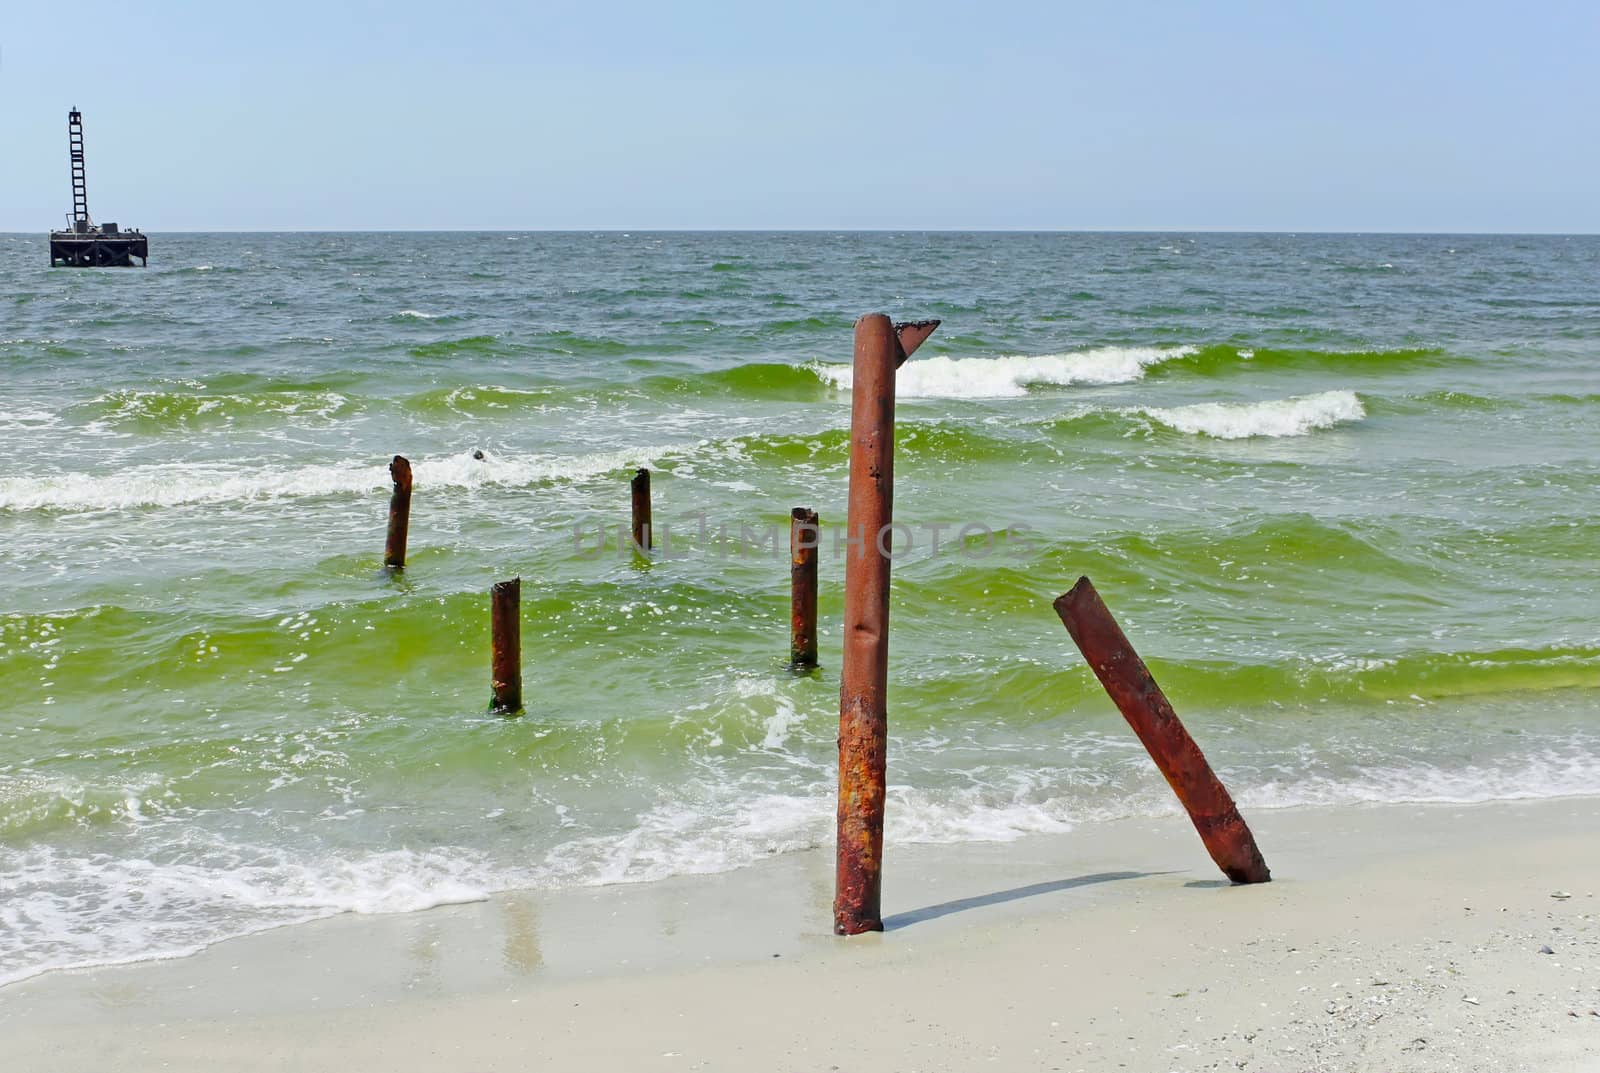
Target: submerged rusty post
[394, 548]
[643, 538]
[880, 347]
[803, 530]
[505, 646]
[1131, 686]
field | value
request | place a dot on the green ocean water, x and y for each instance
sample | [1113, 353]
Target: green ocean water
[1340, 490]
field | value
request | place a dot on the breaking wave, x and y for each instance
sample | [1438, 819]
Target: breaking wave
[1272, 417]
[175, 484]
[1011, 377]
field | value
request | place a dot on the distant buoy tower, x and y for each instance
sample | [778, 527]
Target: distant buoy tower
[84, 244]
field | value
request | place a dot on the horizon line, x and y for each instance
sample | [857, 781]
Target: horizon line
[837, 230]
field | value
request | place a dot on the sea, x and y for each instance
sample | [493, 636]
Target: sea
[1342, 492]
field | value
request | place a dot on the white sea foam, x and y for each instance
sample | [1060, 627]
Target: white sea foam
[1546, 773]
[59, 910]
[1022, 805]
[1010, 377]
[27, 420]
[175, 484]
[700, 831]
[1273, 417]
[417, 314]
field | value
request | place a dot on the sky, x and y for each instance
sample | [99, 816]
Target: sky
[700, 114]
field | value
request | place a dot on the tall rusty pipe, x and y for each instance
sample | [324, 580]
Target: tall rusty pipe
[394, 547]
[803, 536]
[880, 347]
[1131, 686]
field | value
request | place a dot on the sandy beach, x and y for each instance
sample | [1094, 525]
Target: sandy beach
[1393, 937]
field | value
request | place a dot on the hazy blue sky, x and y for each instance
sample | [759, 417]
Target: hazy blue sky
[702, 114]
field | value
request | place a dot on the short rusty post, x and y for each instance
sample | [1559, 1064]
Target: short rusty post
[803, 532]
[643, 538]
[880, 347]
[1130, 684]
[394, 548]
[505, 646]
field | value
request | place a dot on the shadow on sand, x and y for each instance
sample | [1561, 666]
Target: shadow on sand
[977, 901]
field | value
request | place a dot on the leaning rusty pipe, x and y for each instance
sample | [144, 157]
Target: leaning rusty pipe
[863, 677]
[1128, 680]
[505, 646]
[394, 548]
[803, 532]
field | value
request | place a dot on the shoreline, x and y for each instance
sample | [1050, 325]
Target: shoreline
[1385, 925]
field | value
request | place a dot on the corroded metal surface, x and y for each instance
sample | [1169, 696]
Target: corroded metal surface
[394, 548]
[505, 646]
[1131, 686]
[643, 536]
[912, 334]
[863, 677]
[803, 530]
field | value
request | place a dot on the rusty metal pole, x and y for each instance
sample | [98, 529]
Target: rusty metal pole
[394, 548]
[1147, 710]
[643, 538]
[880, 347]
[803, 531]
[505, 646]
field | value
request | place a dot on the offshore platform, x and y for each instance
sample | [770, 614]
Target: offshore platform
[85, 244]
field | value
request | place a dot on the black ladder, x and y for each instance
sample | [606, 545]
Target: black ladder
[80, 189]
